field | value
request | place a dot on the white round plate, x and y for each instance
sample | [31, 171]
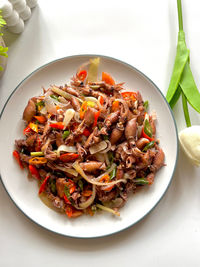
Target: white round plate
[24, 192]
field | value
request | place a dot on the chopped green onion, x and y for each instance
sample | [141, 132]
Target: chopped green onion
[105, 137]
[37, 154]
[66, 191]
[141, 181]
[65, 134]
[80, 184]
[146, 104]
[40, 103]
[54, 97]
[111, 157]
[148, 146]
[147, 128]
[113, 173]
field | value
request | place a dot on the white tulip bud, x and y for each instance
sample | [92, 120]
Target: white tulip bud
[190, 142]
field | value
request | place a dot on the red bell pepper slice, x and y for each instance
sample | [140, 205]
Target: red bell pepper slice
[101, 100]
[67, 157]
[66, 200]
[34, 172]
[38, 144]
[96, 116]
[82, 74]
[17, 157]
[58, 125]
[86, 132]
[43, 185]
[27, 130]
[106, 77]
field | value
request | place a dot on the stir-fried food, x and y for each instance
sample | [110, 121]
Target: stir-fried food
[89, 143]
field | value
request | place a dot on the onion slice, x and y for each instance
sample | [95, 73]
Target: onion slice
[98, 147]
[107, 148]
[78, 168]
[50, 106]
[68, 170]
[69, 114]
[66, 95]
[89, 201]
[108, 209]
[70, 149]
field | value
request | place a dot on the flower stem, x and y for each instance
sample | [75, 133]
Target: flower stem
[180, 18]
[185, 109]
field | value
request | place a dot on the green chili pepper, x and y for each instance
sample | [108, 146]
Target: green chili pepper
[65, 134]
[111, 157]
[53, 186]
[148, 146]
[113, 173]
[182, 79]
[146, 104]
[40, 103]
[54, 97]
[147, 128]
[141, 181]
[66, 191]
[80, 184]
[105, 137]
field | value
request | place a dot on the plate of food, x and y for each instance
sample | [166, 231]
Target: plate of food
[88, 146]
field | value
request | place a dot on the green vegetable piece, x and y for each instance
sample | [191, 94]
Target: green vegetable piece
[146, 104]
[185, 109]
[175, 98]
[113, 173]
[148, 146]
[105, 137]
[53, 186]
[54, 97]
[111, 157]
[182, 56]
[66, 191]
[182, 79]
[65, 134]
[189, 88]
[147, 128]
[141, 181]
[80, 184]
[37, 154]
[40, 103]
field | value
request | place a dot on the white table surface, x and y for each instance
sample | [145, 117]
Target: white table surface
[144, 34]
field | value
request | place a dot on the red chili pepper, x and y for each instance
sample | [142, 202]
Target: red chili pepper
[132, 95]
[101, 100]
[17, 157]
[96, 116]
[69, 211]
[145, 135]
[27, 130]
[82, 75]
[72, 186]
[43, 185]
[106, 77]
[41, 119]
[68, 157]
[34, 172]
[58, 125]
[66, 200]
[86, 132]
